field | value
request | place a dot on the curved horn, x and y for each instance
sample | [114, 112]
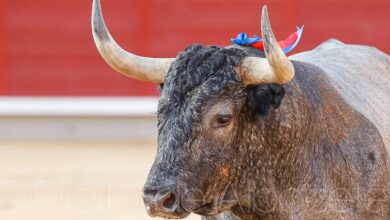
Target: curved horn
[137, 67]
[276, 68]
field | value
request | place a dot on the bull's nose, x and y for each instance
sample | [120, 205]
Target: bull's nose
[163, 201]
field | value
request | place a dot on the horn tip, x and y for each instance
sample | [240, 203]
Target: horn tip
[265, 23]
[265, 10]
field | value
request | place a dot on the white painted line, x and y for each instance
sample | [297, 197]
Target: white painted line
[78, 106]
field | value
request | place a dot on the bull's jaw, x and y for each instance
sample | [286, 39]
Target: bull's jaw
[215, 205]
[208, 209]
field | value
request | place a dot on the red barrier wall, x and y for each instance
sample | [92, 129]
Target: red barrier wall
[46, 46]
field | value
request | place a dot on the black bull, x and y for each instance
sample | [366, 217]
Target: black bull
[312, 148]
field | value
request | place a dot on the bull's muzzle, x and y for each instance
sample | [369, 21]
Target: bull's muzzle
[162, 203]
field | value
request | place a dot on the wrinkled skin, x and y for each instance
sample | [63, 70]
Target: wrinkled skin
[296, 151]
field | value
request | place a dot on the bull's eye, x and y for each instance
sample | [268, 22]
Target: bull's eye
[222, 120]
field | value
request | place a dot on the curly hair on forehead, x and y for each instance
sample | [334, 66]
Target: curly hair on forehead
[196, 64]
[210, 68]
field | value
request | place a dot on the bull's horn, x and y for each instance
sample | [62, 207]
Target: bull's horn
[137, 67]
[277, 68]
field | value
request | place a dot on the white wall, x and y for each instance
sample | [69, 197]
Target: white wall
[60, 118]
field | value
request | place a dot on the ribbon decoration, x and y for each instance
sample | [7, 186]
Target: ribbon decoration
[287, 45]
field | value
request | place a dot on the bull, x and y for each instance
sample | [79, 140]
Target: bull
[250, 134]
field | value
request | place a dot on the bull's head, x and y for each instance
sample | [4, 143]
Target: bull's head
[210, 97]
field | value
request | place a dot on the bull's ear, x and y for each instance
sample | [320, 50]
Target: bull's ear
[264, 97]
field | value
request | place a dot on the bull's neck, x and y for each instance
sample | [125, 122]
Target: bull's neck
[275, 154]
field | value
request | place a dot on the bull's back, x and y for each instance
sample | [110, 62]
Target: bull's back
[361, 75]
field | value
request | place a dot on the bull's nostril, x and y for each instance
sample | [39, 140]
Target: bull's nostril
[169, 201]
[162, 201]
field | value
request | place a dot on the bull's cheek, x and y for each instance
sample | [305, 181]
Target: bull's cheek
[224, 172]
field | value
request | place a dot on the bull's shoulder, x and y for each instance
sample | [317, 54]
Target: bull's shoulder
[360, 74]
[338, 52]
